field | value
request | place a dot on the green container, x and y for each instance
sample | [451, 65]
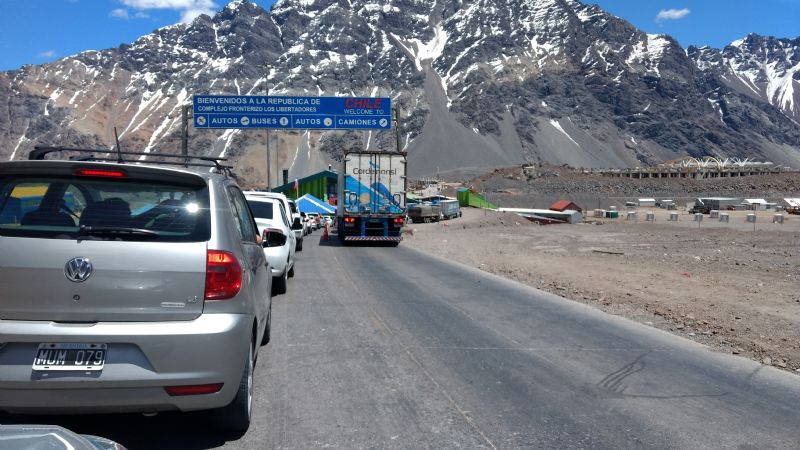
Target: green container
[612, 214]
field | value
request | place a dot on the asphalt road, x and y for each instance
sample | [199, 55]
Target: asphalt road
[390, 348]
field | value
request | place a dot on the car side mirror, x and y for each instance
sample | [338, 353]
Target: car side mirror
[265, 238]
[297, 225]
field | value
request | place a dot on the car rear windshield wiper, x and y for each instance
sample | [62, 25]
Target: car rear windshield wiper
[112, 231]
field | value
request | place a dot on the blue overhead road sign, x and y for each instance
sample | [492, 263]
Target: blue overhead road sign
[259, 111]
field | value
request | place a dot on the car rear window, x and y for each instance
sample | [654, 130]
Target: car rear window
[116, 209]
[260, 210]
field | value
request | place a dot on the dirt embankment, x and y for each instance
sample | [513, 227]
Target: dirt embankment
[538, 188]
[721, 284]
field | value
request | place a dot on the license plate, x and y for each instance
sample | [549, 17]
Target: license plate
[51, 356]
[375, 221]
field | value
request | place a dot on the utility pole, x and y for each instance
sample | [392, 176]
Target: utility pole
[185, 134]
[269, 162]
[397, 127]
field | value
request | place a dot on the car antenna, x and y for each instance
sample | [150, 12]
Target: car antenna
[119, 151]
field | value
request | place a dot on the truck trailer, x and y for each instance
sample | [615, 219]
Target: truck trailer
[371, 197]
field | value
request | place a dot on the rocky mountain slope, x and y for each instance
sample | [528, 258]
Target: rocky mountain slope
[764, 68]
[479, 83]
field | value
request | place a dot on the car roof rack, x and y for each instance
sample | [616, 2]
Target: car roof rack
[40, 151]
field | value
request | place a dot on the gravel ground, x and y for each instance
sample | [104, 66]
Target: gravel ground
[724, 285]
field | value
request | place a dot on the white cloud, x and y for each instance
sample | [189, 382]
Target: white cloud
[119, 13]
[672, 14]
[189, 9]
[48, 54]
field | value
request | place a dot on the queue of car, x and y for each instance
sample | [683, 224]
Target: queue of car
[137, 287]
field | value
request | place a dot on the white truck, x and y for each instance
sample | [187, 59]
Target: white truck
[371, 197]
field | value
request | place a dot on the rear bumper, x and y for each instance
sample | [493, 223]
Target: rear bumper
[142, 358]
[374, 238]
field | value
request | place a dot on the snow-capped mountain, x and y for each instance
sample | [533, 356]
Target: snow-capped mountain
[479, 83]
[765, 68]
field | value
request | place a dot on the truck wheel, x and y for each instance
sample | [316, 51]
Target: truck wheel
[235, 417]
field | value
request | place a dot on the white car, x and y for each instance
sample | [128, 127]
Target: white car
[294, 217]
[306, 224]
[315, 220]
[278, 238]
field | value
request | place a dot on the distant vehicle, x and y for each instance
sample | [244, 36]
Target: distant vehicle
[314, 218]
[294, 218]
[296, 213]
[278, 238]
[165, 267]
[306, 224]
[450, 209]
[51, 437]
[706, 205]
[371, 197]
[424, 212]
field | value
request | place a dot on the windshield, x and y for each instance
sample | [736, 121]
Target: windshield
[261, 210]
[70, 208]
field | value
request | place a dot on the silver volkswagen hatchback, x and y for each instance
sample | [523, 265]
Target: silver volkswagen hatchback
[129, 288]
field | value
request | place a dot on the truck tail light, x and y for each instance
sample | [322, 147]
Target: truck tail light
[223, 275]
[398, 220]
[349, 220]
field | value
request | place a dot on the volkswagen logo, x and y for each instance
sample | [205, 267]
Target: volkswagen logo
[78, 269]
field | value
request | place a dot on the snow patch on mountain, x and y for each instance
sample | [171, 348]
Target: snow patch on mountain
[424, 51]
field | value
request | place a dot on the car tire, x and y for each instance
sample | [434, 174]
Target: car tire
[299, 246]
[291, 272]
[268, 329]
[279, 283]
[236, 417]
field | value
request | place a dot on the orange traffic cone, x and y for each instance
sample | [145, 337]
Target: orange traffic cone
[327, 231]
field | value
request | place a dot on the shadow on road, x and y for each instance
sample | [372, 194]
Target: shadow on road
[165, 431]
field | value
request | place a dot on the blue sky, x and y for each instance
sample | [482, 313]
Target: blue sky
[39, 31]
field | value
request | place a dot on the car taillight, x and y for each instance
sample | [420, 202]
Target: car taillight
[100, 173]
[223, 275]
[196, 389]
[398, 220]
[273, 237]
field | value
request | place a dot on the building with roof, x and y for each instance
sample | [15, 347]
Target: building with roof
[321, 185]
[756, 204]
[563, 205]
[791, 202]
